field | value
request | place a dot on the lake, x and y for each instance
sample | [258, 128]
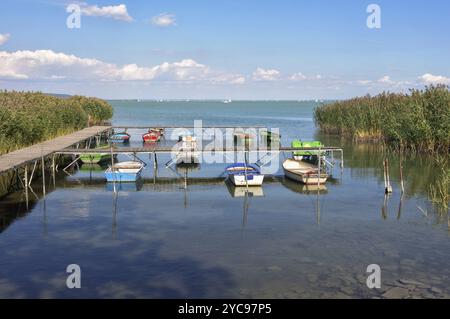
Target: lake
[171, 237]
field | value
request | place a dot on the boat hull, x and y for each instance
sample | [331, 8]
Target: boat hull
[251, 180]
[304, 172]
[94, 158]
[305, 178]
[121, 177]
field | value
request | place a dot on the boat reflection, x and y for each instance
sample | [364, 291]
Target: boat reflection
[125, 187]
[238, 192]
[302, 188]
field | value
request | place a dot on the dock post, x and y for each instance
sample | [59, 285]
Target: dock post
[155, 160]
[26, 185]
[401, 176]
[43, 174]
[387, 184]
[320, 168]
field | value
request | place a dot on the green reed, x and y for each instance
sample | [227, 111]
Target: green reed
[27, 118]
[418, 121]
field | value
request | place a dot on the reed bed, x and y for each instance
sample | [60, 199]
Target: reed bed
[418, 121]
[28, 118]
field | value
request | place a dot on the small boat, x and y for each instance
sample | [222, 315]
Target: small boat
[270, 137]
[303, 172]
[95, 158]
[120, 137]
[305, 154]
[242, 174]
[124, 172]
[227, 101]
[151, 136]
[188, 153]
[243, 137]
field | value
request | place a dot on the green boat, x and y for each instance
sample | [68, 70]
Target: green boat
[299, 155]
[95, 158]
[270, 137]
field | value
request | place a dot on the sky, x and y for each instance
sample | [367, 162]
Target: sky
[224, 49]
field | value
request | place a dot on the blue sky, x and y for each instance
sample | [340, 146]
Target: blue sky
[224, 49]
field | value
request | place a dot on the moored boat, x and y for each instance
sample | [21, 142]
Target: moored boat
[310, 155]
[304, 172]
[270, 137]
[241, 174]
[124, 172]
[151, 136]
[95, 158]
[120, 137]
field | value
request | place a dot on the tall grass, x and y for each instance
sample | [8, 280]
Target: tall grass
[417, 121]
[27, 118]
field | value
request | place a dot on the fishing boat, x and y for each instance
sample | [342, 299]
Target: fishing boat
[241, 136]
[188, 153]
[270, 137]
[152, 136]
[120, 137]
[304, 172]
[241, 174]
[95, 158]
[307, 154]
[124, 172]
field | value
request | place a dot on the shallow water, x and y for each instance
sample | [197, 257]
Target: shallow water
[162, 239]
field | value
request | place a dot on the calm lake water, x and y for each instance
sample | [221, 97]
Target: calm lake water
[160, 239]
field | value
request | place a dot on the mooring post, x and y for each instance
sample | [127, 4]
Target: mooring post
[26, 185]
[320, 168]
[401, 176]
[112, 169]
[43, 174]
[387, 183]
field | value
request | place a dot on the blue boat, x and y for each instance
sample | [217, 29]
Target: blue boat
[124, 172]
[120, 137]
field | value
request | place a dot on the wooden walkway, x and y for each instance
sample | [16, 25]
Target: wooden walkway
[28, 154]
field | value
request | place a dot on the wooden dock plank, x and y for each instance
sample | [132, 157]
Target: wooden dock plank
[25, 155]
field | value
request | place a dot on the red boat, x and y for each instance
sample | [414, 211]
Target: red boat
[151, 136]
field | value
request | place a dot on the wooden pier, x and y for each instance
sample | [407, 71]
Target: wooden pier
[35, 152]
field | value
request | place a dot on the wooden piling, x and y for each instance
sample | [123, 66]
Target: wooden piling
[43, 174]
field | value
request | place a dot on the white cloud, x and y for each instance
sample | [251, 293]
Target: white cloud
[117, 12]
[164, 20]
[266, 75]
[434, 79]
[50, 65]
[4, 38]
[385, 80]
[297, 77]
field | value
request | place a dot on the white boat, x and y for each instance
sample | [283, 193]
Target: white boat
[128, 167]
[188, 153]
[227, 101]
[304, 172]
[244, 175]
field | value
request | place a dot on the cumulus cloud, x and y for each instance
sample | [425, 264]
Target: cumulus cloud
[266, 75]
[385, 80]
[4, 38]
[297, 77]
[164, 20]
[50, 65]
[117, 12]
[434, 79]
